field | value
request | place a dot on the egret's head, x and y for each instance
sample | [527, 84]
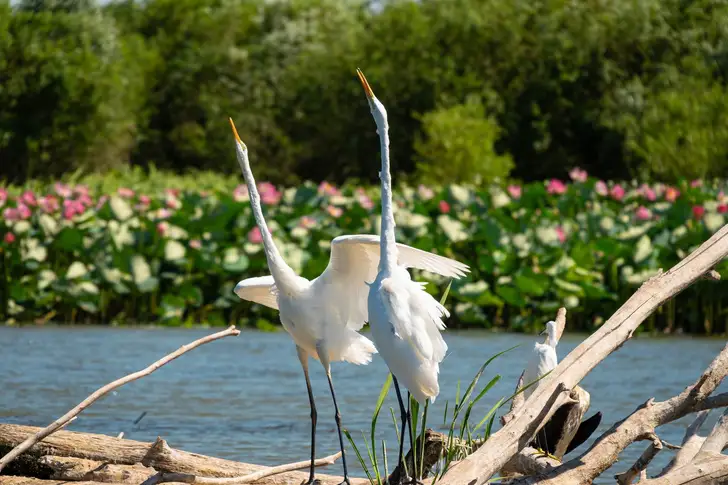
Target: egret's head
[550, 329]
[377, 108]
[240, 147]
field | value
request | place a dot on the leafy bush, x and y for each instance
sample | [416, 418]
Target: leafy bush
[77, 253]
[459, 146]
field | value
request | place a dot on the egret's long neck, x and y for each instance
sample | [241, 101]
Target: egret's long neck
[281, 272]
[388, 245]
[552, 339]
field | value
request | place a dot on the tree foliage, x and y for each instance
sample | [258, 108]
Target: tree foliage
[621, 88]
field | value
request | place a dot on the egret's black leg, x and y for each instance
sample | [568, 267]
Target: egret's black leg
[303, 357]
[338, 427]
[404, 416]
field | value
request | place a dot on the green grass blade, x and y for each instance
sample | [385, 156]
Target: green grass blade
[444, 417]
[380, 401]
[384, 459]
[422, 434]
[358, 455]
[447, 292]
[490, 413]
[372, 459]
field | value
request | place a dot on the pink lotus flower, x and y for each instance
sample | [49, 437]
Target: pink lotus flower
[326, 188]
[173, 203]
[125, 192]
[601, 188]
[255, 236]
[11, 214]
[578, 175]
[307, 222]
[647, 192]
[49, 204]
[334, 211]
[162, 228]
[671, 194]
[643, 213]
[364, 199]
[62, 189]
[195, 244]
[240, 193]
[3, 196]
[556, 186]
[698, 211]
[24, 211]
[9, 237]
[172, 192]
[102, 200]
[163, 213]
[721, 196]
[696, 183]
[145, 200]
[515, 191]
[617, 192]
[28, 198]
[444, 207]
[561, 234]
[269, 195]
[722, 209]
[425, 192]
[72, 208]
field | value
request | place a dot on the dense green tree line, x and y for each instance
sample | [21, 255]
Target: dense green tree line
[474, 88]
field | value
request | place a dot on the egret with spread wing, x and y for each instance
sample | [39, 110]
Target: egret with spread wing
[323, 315]
[405, 320]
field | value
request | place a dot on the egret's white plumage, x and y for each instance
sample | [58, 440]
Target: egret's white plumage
[543, 359]
[323, 315]
[405, 320]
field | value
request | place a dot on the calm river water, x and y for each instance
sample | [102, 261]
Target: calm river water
[245, 398]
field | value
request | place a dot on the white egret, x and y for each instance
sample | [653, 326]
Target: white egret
[405, 320]
[323, 315]
[543, 359]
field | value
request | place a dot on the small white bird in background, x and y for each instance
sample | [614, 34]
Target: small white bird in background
[405, 320]
[543, 359]
[323, 315]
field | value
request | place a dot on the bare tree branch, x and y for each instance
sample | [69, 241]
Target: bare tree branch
[626, 478]
[66, 418]
[717, 439]
[518, 432]
[163, 477]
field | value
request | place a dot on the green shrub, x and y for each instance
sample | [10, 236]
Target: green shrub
[458, 146]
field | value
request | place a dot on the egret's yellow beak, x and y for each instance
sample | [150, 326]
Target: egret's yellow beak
[235, 132]
[364, 83]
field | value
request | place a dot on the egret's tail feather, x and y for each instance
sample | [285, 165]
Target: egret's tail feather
[359, 351]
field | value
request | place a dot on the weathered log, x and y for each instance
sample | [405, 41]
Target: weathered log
[11, 480]
[711, 470]
[521, 428]
[158, 455]
[81, 469]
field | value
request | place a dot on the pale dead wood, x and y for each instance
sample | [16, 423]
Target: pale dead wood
[717, 439]
[712, 275]
[560, 323]
[81, 469]
[627, 477]
[516, 434]
[165, 477]
[691, 443]
[518, 398]
[528, 461]
[639, 425]
[13, 480]
[66, 418]
[711, 470]
[158, 455]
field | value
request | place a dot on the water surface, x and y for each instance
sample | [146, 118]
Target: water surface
[244, 398]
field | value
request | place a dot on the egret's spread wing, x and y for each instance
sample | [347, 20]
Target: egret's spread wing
[407, 256]
[259, 290]
[354, 262]
[401, 311]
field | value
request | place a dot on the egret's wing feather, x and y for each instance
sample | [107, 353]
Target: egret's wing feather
[402, 311]
[407, 256]
[354, 261]
[260, 290]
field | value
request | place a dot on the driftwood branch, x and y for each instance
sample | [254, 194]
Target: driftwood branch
[640, 465]
[519, 431]
[163, 477]
[66, 418]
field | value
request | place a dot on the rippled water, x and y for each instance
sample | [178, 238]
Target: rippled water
[245, 398]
